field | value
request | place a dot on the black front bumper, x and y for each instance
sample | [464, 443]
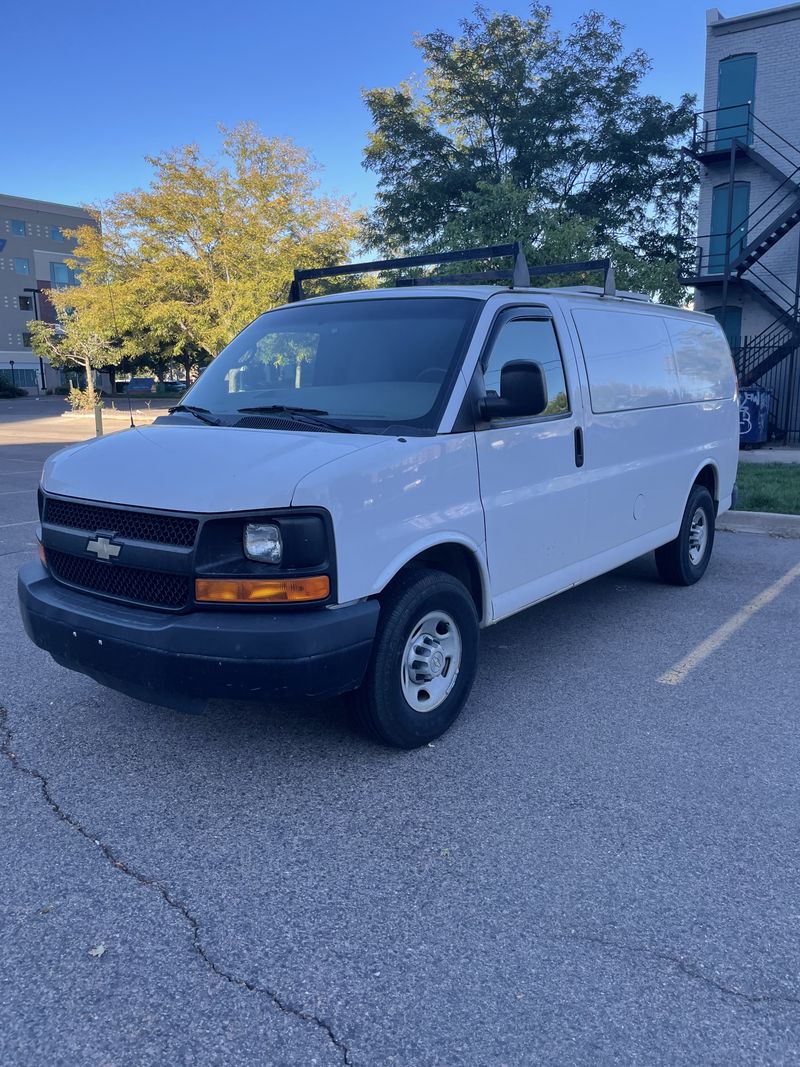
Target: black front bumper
[185, 660]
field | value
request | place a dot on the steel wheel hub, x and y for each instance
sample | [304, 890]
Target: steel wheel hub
[698, 537]
[431, 661]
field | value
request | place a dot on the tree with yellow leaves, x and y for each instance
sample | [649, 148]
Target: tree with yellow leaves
[181, 266]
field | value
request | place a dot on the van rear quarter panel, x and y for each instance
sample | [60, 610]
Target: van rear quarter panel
[641, 461]
[641, 464]
[407, 496]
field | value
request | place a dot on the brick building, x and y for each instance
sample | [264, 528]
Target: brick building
[746, 266]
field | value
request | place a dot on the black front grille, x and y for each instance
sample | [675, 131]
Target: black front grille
[127, 583]
[136, 525]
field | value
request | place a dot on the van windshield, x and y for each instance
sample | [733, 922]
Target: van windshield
[369, 364]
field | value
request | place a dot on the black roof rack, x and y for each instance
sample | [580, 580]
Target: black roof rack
[605, 265]
[519, 276]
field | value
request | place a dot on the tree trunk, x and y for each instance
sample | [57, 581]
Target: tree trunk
[89, 380]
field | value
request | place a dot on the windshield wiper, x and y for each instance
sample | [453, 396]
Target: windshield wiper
[308, 415]
[203, 414]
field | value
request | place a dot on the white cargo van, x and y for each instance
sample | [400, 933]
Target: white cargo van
[359, 482]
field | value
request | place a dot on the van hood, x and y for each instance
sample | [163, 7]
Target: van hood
[202, 468]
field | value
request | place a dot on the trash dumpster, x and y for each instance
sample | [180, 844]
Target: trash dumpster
[754, 404]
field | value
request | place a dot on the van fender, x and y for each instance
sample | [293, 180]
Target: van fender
[708, 461]
[441, 537]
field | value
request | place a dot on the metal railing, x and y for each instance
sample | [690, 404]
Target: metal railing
[770, 358]
[777, 333]
[775, 290]
[775, 287]
[716, 127]
[708, 264]
[782, 380]
[725, 129]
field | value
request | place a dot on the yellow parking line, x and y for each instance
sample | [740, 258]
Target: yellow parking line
[677, 674]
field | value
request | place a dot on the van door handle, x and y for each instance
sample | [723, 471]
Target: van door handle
[578, 446]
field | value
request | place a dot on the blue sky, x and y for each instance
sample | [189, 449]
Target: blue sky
[92, 86]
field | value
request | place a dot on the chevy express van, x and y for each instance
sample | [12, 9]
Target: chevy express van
[361, 481]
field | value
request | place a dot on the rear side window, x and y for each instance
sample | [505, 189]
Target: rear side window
[629, 360]
[705, 367]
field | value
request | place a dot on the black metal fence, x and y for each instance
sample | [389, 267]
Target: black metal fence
[782, 380]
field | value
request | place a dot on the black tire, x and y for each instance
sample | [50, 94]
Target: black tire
[380, 702]
[674, 561]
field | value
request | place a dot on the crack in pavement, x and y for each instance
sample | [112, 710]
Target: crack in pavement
[7, 750]
[689, 969]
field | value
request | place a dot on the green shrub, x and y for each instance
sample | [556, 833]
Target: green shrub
[83, 400]
[7, 390]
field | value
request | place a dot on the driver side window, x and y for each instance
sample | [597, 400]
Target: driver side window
[530, 339]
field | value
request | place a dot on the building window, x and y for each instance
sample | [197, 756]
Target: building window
[25, 303]
[26, 340]
[22, 266]
[23, 377]
[18, 228]
[61, 275]
[736, 91]
[56, 234]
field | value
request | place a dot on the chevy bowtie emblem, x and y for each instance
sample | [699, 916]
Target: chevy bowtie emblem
[103, 548]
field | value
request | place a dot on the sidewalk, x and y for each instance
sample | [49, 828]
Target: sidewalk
[770, 454]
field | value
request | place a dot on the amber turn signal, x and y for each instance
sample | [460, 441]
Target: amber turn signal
[40, 551]
[257, 591]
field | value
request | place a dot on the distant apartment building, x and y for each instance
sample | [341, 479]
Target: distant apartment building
[746, 266]
[34, 248]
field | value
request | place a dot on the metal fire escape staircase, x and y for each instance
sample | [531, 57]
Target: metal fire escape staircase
[738, 260]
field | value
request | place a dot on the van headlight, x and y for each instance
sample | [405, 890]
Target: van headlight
[263, 542]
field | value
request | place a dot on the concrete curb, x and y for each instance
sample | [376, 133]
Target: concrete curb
[760, 522]
[770, 455]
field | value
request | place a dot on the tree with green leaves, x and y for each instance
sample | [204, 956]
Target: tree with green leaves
[519, 131]
[177, 269]
[74, 341]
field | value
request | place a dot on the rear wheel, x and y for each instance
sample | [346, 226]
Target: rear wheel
[684, 560]
[423, 660]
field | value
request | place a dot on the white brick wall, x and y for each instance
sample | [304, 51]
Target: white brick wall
[775, 38]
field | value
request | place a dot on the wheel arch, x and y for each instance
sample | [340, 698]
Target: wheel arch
[707, 475]
[453, 555]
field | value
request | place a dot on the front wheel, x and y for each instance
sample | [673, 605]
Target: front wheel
[684, 560]
[423, 660]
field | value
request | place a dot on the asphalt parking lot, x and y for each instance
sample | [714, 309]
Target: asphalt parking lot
[600, 863]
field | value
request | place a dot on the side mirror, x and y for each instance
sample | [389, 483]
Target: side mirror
[523, 392]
